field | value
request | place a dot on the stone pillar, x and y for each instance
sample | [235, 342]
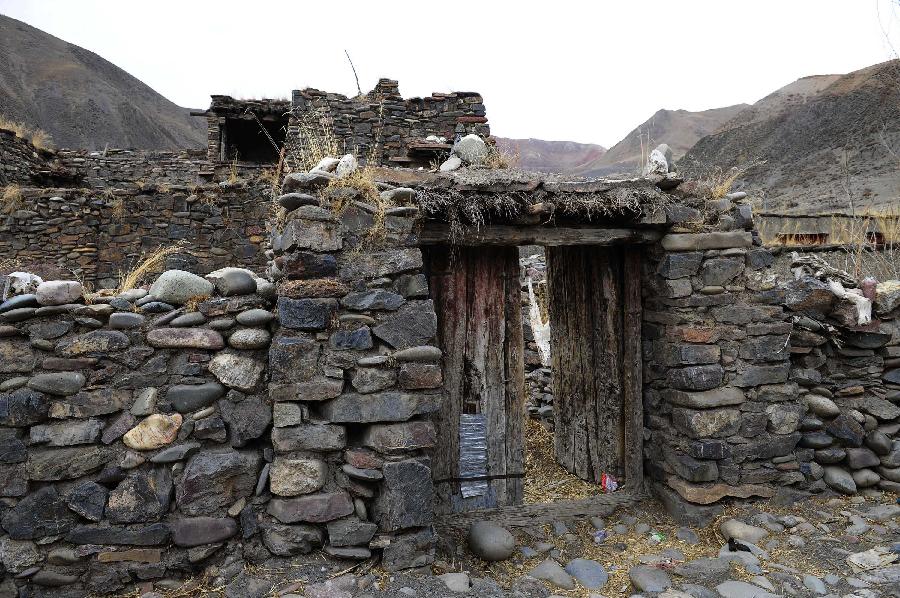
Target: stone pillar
[355, 376]
[719, 405]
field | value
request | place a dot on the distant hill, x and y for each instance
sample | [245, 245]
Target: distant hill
[826, 142]
[550, 156]
[83, 100]
[680, 129]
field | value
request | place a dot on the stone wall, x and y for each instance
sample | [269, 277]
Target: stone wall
[119, 168]
[848, 378]
[383, 125]
[100, 234]
[719, 405]
[355, 375]
[134, 434]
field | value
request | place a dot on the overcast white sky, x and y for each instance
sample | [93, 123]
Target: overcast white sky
[583, 71]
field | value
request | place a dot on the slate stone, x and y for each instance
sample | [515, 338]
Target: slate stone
[291, 540]
[23, 407]
[210, 428]
[305, 314]
[117, 427]
[691, 469]
[52, 464]
[312, 436]
[300, 265]
[88, 499]
[293, 358]
[50, 330]
[213, 480]
[196, 531]
[762, 374]
[387, 406]
[374, 264]
[41, 513]
[247, 419]
[709, 449]
[707, 423]
[367, 380]
[155, 534]
[350, 532]
[373, 299]
[185, 338]
[237, 370]
[420, 376]
[401, 437]
[700, 377]
[312, 508]
[359, 339]
[679, 265]
[827, 456]
[406, 497]
[66, 433]
[717, 397]
[809, 296]
[720, 271]
[413, 324]
[235, 282]
[187, 398]
[295, 476]
[766, 446]
[845, 428]
[98, 342]
[173, 454]
[137, 499]
[12, 450]
[879, 442]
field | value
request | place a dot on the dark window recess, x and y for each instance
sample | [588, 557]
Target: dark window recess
[245, 141]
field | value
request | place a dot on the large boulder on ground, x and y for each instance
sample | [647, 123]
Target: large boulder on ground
[59, 292]
[177, 286]
[491, 542]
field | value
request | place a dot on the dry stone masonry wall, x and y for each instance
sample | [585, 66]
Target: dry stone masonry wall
[134, 430]
[99, 235]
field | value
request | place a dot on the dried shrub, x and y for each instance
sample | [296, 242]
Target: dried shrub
[147, 264]
[498, 158]
[11, 199]
[193, 303]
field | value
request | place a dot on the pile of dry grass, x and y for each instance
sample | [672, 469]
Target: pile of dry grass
[546, 480]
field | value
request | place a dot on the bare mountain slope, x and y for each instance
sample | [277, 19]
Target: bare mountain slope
[550, 156]
[680, 129]
[834, 142]
[83, 100]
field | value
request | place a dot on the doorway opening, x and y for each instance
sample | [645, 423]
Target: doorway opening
[491, 454]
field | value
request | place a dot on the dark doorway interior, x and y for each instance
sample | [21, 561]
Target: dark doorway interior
[244, 139]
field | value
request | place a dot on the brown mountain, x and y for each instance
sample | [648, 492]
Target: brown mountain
[83, 100]
[550, 156]
[680, 129]
[817, 145]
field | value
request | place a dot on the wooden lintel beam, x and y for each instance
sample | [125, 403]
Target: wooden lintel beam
[537, 235]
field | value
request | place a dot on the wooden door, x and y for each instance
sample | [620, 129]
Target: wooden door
[595, 314]
[479, 457]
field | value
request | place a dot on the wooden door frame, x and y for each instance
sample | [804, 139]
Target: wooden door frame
[633, 489]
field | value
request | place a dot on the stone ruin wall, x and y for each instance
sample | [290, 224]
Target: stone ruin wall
[276, 422]
[98, 234]
[387, 121]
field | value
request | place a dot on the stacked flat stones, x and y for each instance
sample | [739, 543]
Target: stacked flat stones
[354, 375]
[721, 414]
[383, 124]
[100, 232]
[20, 162]
[134, 438]
[849, 380]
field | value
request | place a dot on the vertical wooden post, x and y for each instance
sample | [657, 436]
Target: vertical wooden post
[632, 371]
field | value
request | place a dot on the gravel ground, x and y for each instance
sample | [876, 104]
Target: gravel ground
[796, 550]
